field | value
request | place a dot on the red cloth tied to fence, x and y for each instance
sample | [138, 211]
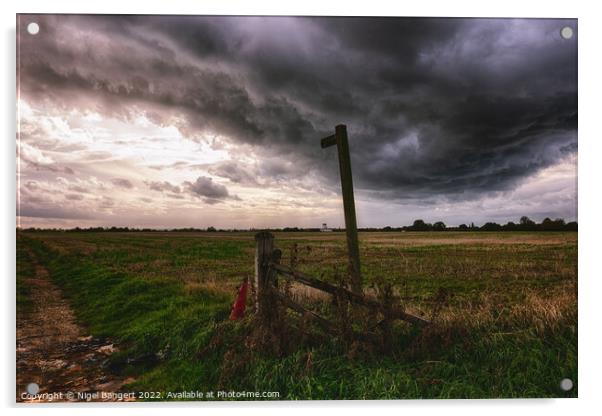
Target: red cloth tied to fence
[238, 308]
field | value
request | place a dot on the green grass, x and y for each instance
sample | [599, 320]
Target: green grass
[25, 266]
[508, 329]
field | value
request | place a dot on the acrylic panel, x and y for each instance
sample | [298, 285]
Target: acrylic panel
[295, 208]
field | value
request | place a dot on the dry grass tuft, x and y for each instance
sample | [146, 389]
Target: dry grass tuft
[306, 294]
[538, 312]
[211, 287]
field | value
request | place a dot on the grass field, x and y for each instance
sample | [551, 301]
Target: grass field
[504, 307]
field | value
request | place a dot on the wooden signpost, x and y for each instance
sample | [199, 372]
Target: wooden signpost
[268, 267]
[340, 140]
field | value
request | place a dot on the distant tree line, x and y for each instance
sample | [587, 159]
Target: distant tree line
[524, 224]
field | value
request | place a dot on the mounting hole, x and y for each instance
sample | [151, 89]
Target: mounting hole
[33, 28]
[32, 388]
[566, 32]
[566, 384]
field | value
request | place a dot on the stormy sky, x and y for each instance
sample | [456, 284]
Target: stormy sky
[196, 121]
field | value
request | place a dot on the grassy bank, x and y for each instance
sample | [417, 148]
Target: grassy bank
[507, 327]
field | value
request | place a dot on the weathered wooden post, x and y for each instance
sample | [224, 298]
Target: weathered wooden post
[264, 246]
[353, 249]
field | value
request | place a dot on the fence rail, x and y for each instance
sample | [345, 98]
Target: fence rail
[393, 312]
[268, 269]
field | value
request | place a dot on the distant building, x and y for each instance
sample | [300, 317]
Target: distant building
[325, 228]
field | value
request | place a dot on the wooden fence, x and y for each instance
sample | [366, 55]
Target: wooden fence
[268, 270]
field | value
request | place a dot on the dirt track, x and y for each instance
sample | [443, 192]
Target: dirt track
[56, 353]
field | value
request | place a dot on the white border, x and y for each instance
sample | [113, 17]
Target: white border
[589, 195]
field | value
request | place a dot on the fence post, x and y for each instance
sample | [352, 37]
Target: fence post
[264, 246]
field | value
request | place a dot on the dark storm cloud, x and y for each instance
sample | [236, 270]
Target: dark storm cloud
[456, 107]
[235, 172]
[74, 197]
[164, 186]
[203, 187]
[123, 183]
[210, 191]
